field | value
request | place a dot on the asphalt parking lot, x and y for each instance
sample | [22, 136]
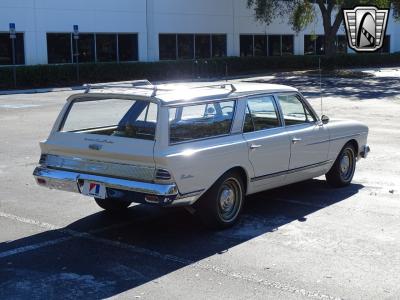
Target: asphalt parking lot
[303, 241]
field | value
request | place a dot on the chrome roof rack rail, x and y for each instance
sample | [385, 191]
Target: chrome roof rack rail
[155, 89]
[138, 84]
[221, 86]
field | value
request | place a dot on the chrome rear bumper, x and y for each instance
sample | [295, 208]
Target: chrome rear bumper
[167, 194]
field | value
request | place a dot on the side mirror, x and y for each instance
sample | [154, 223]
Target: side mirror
[325, 119]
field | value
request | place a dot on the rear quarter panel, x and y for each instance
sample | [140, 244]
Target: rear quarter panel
[197, 165]
[343, 131]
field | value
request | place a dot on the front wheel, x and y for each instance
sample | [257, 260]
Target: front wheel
[220, 206]
[112, 205]
[342, 172]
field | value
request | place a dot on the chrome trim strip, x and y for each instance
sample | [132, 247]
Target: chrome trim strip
[67, 181]
[262, 177]
[291, 171]
[335, 139]
[190, 194]
[184, 201]
[99, 167]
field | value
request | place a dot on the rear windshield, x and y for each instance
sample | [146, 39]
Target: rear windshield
[112, 117]
[201, 121]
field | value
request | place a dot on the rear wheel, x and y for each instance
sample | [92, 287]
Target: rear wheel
[112, 205]
[220, 206]
[342, 172]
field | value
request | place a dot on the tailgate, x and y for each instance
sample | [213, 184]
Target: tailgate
[114, 156]
[104, 134]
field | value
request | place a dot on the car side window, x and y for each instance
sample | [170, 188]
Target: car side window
[260, 114]
[294, 111]
[193, 122]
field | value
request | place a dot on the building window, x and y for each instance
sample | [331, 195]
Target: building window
[6, 49]
[266, 45]
[320, 45]
[128, 47]
[185, 46]
[309, 45]
[246, 45]
[287, 44]
[219, 45]
[191, 46]
[314, 45]
[59, 48]
[260, 45]
[274, 45]
[106, 47]
[167, 46]
[386, 45]
[203, 46]
[341, 44]
[86, 48]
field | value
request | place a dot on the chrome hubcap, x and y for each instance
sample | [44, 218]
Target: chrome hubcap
[229, 199]
[347, 165]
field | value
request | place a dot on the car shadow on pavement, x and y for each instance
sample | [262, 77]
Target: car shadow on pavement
[102, 255]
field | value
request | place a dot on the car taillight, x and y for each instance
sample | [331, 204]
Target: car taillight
[162, 174]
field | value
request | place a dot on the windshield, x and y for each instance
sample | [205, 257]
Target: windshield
[112, 117]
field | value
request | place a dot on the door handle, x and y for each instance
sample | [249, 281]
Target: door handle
[253, 146]
[296, 140]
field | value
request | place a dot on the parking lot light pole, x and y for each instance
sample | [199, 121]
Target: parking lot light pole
[76, 55]
[13, 36]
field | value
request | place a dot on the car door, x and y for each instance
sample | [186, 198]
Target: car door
[309, 138]
[268, 142]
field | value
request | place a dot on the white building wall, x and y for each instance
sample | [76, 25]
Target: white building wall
[148, 18]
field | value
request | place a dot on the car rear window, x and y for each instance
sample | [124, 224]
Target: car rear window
[112, 117]
[193, 122]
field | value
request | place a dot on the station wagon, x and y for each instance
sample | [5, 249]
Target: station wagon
[204, 147]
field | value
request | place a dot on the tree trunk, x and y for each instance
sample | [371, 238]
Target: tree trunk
[330, 44]
[330, 52]
[330, 30]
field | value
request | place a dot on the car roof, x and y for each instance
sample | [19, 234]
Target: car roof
[190, 92]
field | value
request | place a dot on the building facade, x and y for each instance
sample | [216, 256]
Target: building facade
[152, 30]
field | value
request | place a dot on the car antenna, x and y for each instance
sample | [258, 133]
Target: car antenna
[320, 84]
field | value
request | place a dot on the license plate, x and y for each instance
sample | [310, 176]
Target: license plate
[94, 189]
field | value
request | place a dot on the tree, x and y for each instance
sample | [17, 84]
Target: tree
[303, 12]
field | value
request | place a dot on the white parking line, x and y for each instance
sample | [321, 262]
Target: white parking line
[166, 257]
[71, 234]
[34, 247]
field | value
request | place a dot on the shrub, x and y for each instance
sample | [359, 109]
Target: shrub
[65, 75]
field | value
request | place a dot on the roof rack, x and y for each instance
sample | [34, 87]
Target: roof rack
[144, 84]
[221, 86]
[138, 84]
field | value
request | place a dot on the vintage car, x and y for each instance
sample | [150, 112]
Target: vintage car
[201, 147]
